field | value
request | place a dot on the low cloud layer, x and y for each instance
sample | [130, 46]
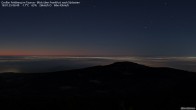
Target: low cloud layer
[36, 64]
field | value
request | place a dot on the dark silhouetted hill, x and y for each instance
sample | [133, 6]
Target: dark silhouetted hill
[119, 86]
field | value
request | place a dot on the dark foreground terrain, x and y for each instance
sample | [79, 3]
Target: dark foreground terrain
[119, 86]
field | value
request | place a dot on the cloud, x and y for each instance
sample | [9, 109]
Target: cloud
[36, 64]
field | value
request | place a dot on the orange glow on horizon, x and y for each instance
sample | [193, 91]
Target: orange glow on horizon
[47, 53]
[44, 52]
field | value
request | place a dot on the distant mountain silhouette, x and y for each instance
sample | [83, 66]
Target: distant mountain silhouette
[119, 86]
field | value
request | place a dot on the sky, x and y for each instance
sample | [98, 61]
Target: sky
[101, 28]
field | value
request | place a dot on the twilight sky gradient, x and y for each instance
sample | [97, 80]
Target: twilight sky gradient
[101, 28]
